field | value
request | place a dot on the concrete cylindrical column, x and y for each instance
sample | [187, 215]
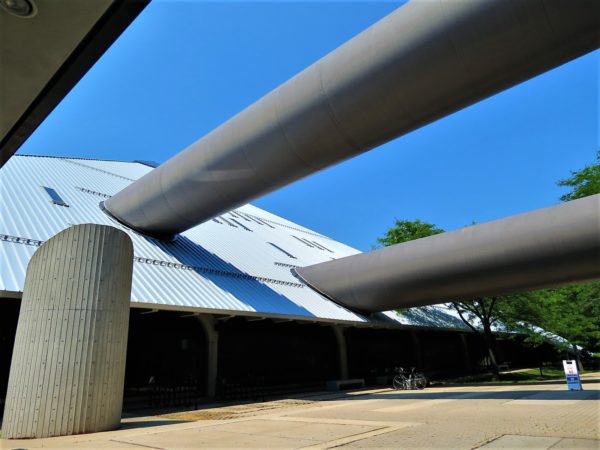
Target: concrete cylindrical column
[342, 349]
[212, 360]
[68, 364]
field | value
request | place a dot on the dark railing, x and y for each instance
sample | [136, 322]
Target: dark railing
[164, 394]
[242, 388]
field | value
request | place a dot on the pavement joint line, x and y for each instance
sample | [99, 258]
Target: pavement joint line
[354, 438]
[487, 441]
[557, 439]
[556, 443]
[368, 423]
[136, 444]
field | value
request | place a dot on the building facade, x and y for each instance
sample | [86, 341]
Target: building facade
[217, 310]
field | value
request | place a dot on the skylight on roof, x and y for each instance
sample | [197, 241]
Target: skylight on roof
[56, 199]
[262, 222]
[283, 251]
[241, 216]
[321, 246]
[303, 241]
[254, 219]
[227, 221]
[241, 224]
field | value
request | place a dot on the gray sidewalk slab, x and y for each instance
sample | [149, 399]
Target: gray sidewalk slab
[532, 416]
[541, 443]
[522, 442]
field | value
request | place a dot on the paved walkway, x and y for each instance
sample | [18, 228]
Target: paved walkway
[536, 416]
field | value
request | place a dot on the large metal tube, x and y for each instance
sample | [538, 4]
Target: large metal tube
[543, 248]
[422, 62]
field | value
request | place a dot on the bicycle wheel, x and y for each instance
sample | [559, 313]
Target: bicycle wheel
[420, 381]
[398, 382]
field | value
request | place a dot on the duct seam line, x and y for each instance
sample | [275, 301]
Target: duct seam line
[98, 170]
[157, 262]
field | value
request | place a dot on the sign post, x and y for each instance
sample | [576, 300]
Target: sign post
[572, 375]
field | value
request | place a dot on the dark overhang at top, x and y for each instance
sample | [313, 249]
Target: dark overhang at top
[46, 46]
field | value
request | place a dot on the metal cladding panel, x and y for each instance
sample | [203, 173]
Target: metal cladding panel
[228, 265]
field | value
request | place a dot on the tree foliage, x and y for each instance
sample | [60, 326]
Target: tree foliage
[583, 182]
[408, 230]
[479, 314]
[571, 312]
[581, 325]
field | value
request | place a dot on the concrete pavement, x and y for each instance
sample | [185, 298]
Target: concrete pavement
[533, 416]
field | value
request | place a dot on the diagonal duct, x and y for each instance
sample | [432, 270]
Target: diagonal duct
[543, 248]
[425, 60]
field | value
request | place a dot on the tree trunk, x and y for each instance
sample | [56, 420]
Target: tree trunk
[489, 343]
[577, 358]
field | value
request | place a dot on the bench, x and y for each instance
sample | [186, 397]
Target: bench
[504, 366]
[337, 385]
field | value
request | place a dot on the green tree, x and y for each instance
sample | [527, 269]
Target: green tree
[479, 314]
[408, 230]
[571, 312]
[583, 182]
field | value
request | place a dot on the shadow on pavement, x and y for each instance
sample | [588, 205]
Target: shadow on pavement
[479, 395]
[520, 383]
[131, 424]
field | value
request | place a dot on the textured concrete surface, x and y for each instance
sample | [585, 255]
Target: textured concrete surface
[534, 416]
[540, 443]
[68, 365]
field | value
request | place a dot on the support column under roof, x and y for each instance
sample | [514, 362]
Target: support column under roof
[68, 365]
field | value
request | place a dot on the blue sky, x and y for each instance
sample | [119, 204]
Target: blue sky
[183, 68]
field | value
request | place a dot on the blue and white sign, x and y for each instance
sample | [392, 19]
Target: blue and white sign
[572, 375]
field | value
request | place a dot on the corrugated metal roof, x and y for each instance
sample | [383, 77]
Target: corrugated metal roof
[238, 263]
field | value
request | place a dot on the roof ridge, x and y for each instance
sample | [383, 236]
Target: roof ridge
[28, 155]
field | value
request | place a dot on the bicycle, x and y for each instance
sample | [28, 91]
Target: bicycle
[412, 380]
[399, 381]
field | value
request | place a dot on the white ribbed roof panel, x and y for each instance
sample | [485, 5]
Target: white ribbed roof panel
[237, 263]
